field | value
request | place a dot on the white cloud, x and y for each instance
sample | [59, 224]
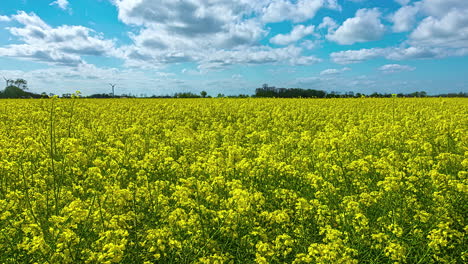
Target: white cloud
[440, 8]
[392, 53]
[61, 45]
[328, 23]
[309, 44]
[449, 31]
[196, 31]
[443, 33]
[161, 38]
[332, 4]
[355, 56]
[182, 17]
[394, 68]
[30, 19]
[257, 55]
[41, 54]
[414, 53]
[177, 31]
[405, 18]
[4, 19]
[298, 32]
[334, 71]
[296, 11]
[62, 4]
[365, 26]
[217, 22]
[212, 58]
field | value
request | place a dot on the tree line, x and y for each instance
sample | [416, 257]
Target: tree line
[19, 89]
[271, 91]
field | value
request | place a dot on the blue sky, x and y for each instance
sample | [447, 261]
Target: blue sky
[161, 47]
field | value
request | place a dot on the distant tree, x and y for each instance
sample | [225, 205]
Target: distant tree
[267, 91]
[15, 92]
[186, 95]
[17, 89]
[103, 95]
[203, 94]
[21, 83]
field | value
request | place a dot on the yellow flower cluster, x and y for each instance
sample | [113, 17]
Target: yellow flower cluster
[234, 180]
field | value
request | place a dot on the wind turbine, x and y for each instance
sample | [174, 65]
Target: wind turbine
[113, 86]
[7, 81]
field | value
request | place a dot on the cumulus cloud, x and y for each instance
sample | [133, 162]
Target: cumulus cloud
[192, 31]
[40, 54]
[355, 56]
[30, 19]
[334, 71]
[309, 44]
[4, 19]
[365, 26]
[405, 18]
[217, 58]
[220, 24]
[442, 33]
[62, 4]
[328, 23]
[450, 31]
[180, 31]
[302, 10]
[60, 45]
[298, 32]
[415, 53]
[391, 53]
[160, 38]
[440, 8]
[257, 55]
[182, 17]
[394, 68]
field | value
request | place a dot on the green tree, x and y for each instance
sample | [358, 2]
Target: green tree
[21, 83]
[17, 89]
[203, 94]
[14, 92]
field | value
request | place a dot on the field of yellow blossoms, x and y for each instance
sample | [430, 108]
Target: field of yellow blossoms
[234, 180]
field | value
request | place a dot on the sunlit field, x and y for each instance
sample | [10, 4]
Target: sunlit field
[234, 180]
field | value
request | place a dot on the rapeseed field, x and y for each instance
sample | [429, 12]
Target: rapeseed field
[234, 180]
